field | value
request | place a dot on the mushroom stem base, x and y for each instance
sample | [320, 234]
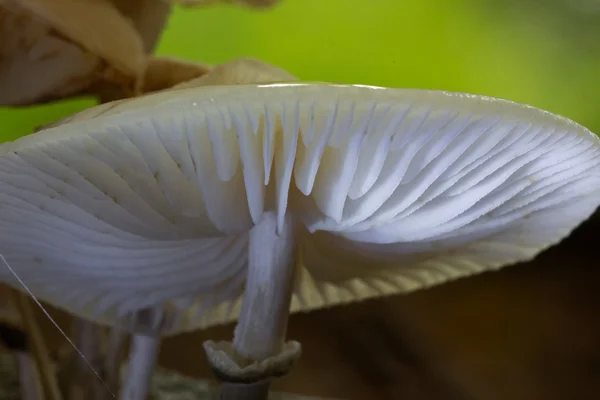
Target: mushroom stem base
[142, 361]
[243, 379]
[115, 354]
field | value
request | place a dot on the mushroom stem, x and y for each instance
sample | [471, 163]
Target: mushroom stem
[28, 377]
[261, 328]
[115, 353]
[259, 352]
[142, 360]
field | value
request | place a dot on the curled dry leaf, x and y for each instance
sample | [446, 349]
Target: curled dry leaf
[148, 17]
[163, 73]
[51, 50]
[166, 72]
[239, 72]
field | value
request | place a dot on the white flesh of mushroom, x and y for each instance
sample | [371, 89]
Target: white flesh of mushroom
[160, 203]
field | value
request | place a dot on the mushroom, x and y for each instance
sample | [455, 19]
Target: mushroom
[57, 49]
[165, 72]
[144, 349]
[198, 206]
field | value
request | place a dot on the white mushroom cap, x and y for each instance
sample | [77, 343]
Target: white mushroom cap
[147, 202]
[165, 72]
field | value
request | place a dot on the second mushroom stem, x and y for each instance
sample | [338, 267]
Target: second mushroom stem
[143, 354]
[115, 354]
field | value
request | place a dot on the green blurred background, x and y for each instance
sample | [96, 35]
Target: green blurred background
[545, 53]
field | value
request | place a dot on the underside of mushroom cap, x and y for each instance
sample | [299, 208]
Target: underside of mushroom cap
[165, 72]
[147, 203]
